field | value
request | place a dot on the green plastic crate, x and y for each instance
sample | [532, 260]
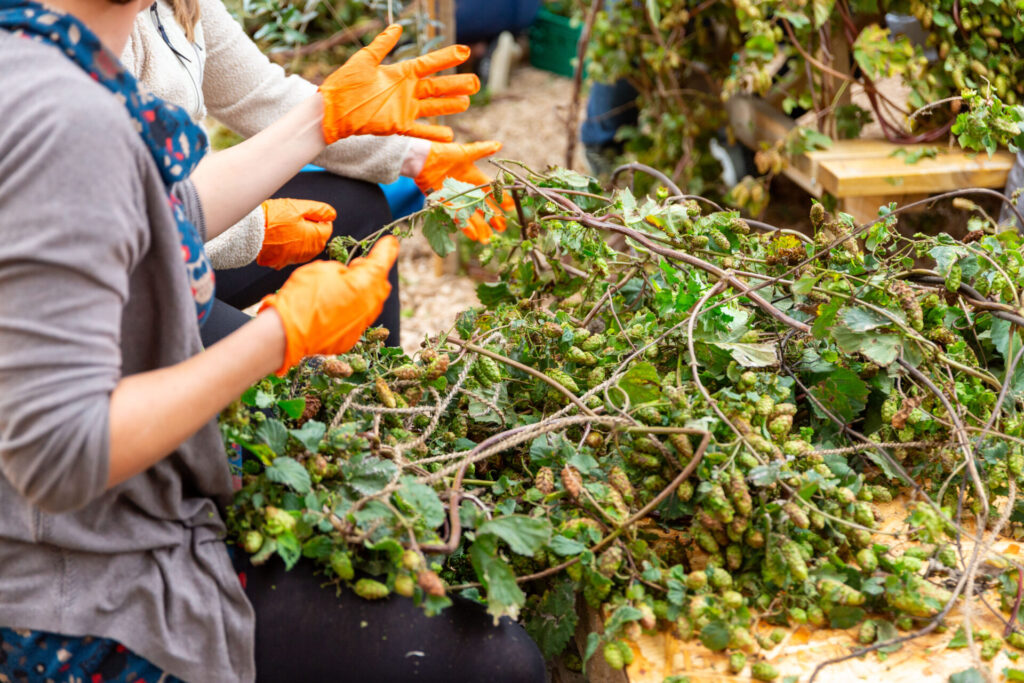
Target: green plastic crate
[553, 40]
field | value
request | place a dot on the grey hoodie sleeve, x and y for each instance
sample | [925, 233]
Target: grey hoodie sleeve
[73, 228]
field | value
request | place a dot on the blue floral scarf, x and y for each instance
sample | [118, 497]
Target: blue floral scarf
[176, 143]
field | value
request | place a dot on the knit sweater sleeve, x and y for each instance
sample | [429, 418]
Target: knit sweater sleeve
[247, 92]
[68, 245]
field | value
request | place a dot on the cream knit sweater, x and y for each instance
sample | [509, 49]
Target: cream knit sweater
[225, 75]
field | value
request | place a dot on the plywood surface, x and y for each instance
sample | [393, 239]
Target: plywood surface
[924, 660]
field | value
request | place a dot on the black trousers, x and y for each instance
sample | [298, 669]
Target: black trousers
[362, 210]
[305, 633]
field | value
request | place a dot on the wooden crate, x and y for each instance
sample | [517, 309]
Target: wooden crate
[865, 174]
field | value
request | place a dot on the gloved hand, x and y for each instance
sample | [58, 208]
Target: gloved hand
[449, 160]
[297, 230]
[325, 306]
[365, 98]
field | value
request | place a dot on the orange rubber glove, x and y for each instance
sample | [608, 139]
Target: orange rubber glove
[365, 98]
[297, 230]
[325, 306]
[449, 160]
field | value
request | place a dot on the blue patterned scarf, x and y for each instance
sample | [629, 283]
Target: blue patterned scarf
[176, 143]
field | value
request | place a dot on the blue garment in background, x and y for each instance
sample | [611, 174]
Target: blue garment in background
[403, 196]
[608, 108]
[482, 20]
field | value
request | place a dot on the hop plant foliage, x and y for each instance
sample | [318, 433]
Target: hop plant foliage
[705, 477]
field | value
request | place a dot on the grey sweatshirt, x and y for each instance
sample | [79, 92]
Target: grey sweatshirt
[93, 289]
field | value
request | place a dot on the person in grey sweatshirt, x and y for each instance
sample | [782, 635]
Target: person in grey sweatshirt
[113, 565]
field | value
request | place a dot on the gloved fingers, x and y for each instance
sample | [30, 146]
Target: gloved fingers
[439, 60]
[441, 106]
[447, 86]
[381, 257]
[478, 150]
[429, 131]
[320, 232]
[316, 211]
[379, 48]
[477, 228]
[497, 221]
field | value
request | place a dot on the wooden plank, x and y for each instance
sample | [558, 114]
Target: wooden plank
[755, 122]
[864, 209]
[865, 176]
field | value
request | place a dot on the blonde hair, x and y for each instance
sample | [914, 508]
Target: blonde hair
[186, 13]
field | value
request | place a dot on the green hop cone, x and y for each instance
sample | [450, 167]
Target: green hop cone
[580, 357]
[563, 378]
[413, 561]
[368, 589]
[613, 656]
[408, 372]
[620, 482]
[794, 561]
[737, 662]
[719, 239]
[405, 585]
[763, 671]
[867, 559]
[341, 564]
[954, 278]
[278, 521]
[593, 343]
[252, 541]
[796, 515]
[867, 633]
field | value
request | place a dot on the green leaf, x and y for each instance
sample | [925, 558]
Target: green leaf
[438, 228]
[959, 640]
[971, 675]
[826, 317]
[750, 355]
[552, 624]
[560, 545]
[289, 549]
[524, 535]
[504, 597]
[593, 642]
[620, 617]
[842, 393]
[292, 407]
[715, 635]
[493, 293]
[317, 548]
[641, 383]
[288, 471]
[423, 500]
[310, 434]
[274, 434]
[805, 284]
[366, 474]
[845, 616]
[885, 630]
[1013, 674]
[860, 319]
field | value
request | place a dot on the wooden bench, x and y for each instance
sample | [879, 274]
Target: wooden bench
[865, 174]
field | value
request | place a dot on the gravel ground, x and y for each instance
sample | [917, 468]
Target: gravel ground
[530, 120]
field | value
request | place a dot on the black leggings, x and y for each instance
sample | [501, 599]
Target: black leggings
[362, 210]
[305, 633]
